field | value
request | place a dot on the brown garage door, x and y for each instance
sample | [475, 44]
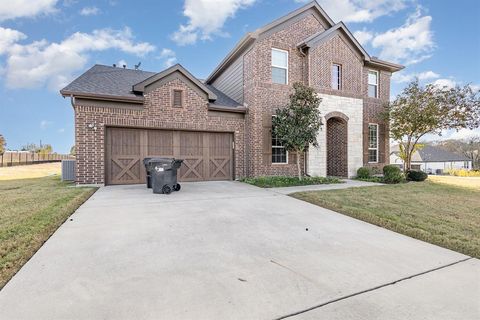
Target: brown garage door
[207, 155]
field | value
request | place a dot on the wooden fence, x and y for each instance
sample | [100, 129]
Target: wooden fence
[16, 158]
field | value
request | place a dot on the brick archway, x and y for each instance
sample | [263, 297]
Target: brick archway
[337, 147]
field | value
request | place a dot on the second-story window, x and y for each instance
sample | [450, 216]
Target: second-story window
[373, 84]
[279, 66]
[336, 76]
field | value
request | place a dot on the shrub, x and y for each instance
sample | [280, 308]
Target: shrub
[282, 181]
[416, 175]
[463, 173]
[392, 174]
[364, 173]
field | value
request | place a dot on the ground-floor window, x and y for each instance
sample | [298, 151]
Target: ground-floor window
[279, 153]
[373, 143]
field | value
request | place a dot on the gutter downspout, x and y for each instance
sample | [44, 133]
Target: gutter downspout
[72, 100]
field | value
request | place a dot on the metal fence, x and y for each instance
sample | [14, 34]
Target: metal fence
[19, 158]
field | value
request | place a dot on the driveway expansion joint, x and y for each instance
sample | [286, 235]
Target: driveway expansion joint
[371, 289]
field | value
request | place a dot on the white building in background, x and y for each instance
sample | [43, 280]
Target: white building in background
[432, 160]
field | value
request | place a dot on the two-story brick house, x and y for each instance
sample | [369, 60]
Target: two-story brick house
[222, 126]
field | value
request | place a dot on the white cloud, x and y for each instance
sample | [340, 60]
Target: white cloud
[61, 130]
[402, 77]
[122, 63]
[44, 124]
[90, 11]
[445, 83]
[169, 56]
[42, 63]
[363, 36]
[206, 18]
[408, 44]
[8, 37]
[359, 10]
[26, 8]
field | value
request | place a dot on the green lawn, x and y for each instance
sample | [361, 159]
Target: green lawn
[281, 181]
[442, 214]
[30, 211]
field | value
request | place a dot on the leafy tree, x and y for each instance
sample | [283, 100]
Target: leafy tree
[297, 125]
[3, 144]
[72, 150]
[45, 149]
[418, 111]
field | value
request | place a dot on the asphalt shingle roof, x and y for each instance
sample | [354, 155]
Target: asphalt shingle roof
[113, 81]
[433, 154]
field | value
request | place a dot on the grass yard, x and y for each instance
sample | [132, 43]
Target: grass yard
[30, 171]
[279, 181]
[30, 211]
[442, 214]
[467, 182]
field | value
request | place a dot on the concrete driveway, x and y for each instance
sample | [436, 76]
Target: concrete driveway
[226, 250]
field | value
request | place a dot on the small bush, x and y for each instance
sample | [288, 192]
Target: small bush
[415, 175]
[392, 174]
[364, 173]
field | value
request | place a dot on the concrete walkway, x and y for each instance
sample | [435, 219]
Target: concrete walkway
[227, 250]
[320, 187]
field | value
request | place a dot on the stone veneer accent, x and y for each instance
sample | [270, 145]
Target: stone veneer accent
[351, 108]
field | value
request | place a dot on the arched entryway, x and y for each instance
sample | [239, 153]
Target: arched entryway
[337, 145]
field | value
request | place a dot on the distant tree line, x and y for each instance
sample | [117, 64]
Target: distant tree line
[40, 149]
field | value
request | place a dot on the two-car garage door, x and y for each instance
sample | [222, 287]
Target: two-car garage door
[207, 155]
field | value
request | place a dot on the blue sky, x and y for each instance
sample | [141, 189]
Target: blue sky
[46, 43]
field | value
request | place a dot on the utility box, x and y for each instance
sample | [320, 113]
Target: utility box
[68, 170]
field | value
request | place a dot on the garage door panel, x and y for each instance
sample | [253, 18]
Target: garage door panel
[207, 156]
[159, 143]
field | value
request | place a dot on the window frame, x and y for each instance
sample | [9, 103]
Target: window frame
[277, 147]
[339, 80]
[180, 91]
[272, 65]
[377, 147]
[377, 87]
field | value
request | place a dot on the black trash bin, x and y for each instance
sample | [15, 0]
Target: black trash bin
[163, 174]
[148, 169]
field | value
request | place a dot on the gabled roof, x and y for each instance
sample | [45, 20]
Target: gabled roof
[116, 84]
[433, 154]
[322, 36]
[251, 37]
[140, 87]
[107, 82]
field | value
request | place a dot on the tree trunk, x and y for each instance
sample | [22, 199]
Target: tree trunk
[298, 166]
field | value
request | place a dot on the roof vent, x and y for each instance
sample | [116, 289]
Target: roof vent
[124, 66]
[138, 65]
[114, 65]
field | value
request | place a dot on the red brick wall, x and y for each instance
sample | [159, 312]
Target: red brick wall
[372, 113]
[263, 97]
[156, 113]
